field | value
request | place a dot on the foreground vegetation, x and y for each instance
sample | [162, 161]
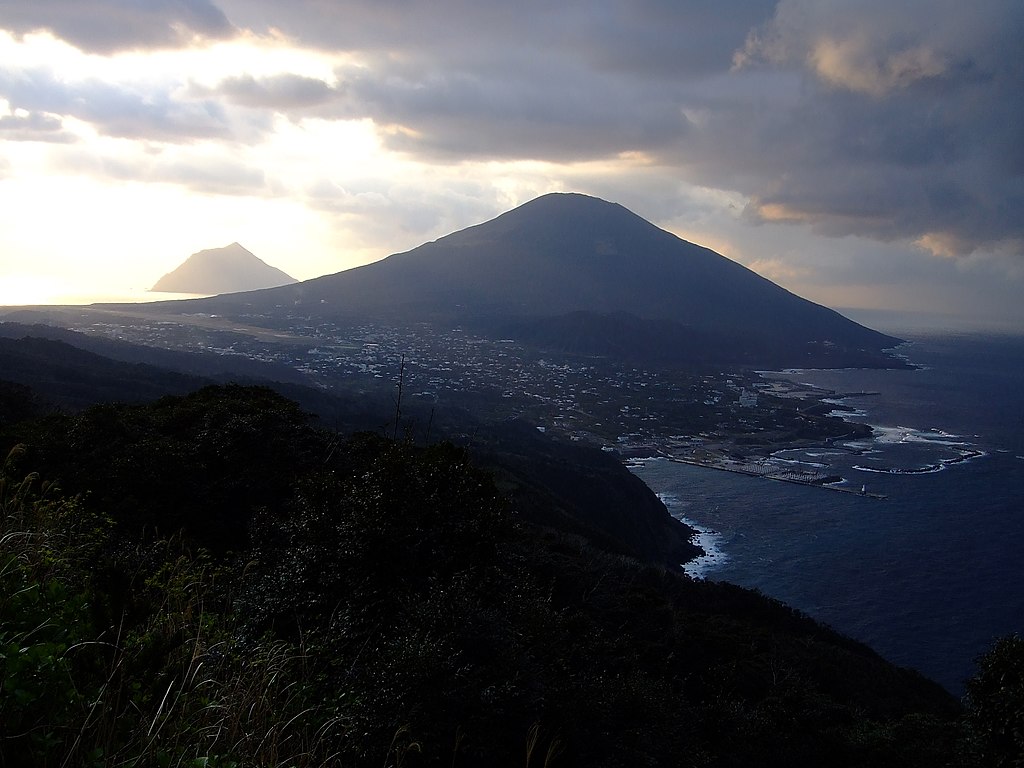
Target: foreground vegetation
[211, 581]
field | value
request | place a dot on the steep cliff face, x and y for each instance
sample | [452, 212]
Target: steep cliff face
[583, 490]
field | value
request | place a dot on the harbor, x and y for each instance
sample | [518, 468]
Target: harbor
[773, 472]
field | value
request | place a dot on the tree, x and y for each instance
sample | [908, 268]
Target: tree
[996, 698]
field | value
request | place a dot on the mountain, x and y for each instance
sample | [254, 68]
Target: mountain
[582, 275]
[222, 270]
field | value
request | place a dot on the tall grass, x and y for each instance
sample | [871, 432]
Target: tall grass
[116, 653]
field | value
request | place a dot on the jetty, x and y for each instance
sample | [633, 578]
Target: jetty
[773, 473]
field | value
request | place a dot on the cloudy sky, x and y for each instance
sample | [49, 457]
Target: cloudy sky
[861, 153]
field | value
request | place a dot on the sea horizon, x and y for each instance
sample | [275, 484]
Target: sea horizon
[88, 299]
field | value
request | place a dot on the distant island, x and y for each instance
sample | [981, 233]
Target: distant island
[222, 270]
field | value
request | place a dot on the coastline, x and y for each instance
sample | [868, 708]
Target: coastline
[707, 539]
[932, 575]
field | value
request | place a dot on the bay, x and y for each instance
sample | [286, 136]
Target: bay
[929, 576]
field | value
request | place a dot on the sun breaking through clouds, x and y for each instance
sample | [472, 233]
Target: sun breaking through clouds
[859, 152]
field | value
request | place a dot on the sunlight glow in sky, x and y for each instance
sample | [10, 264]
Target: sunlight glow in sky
[849, 151]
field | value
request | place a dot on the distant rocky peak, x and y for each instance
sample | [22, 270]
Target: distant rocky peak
[230, 269]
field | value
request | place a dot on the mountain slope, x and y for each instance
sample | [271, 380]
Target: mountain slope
[571, 256]
[42, 368]
[74, 378]
[381, 604]
[222, 270]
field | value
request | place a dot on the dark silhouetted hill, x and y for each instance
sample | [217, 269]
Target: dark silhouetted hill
[596, 497]
[74, 378]
[579, 274]
[370, 602]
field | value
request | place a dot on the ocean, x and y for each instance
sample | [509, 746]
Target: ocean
[929, 576]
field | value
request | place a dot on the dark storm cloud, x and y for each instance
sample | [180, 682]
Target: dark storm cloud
[461, 115]
[105, 26]
[116, 110]
[909, 125]
[893, 121]
[663, 37]
[536, 80]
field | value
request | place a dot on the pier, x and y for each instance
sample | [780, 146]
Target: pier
[759, 470]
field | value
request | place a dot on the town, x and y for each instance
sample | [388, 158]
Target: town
[728, 419]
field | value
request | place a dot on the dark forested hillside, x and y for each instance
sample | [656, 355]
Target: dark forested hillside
[212, 580]
[593, 493]
[209, 366]
[74, 378]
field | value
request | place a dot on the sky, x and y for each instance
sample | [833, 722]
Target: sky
[861, 153]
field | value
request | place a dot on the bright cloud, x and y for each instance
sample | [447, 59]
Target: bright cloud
[851, 64]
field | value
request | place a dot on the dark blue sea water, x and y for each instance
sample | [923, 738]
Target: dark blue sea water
[932, 574]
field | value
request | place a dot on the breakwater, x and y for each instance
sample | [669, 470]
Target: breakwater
[765, 471]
